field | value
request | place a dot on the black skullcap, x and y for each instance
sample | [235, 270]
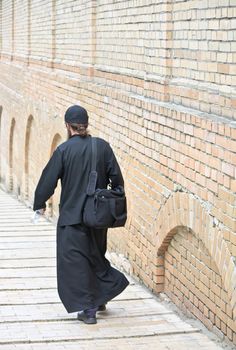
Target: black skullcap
[76, 114]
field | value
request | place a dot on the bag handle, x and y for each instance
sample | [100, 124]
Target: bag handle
[93, 173]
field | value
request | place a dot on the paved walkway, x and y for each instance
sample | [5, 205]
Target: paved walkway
[32, 317]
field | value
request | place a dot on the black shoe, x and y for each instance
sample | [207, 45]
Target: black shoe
[81, 316]
[102, 307]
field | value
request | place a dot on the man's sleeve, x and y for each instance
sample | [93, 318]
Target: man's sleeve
[113, 169]
[48, 180]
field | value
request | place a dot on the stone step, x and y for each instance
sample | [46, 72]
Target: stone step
[181, 341]
[25, 239]
[52, 312]
[30, 228]
[48, 231]
[27, 245]
[21, 263]
[15, 333]
[49, 295]
[7, 284]
[27, 272]
[24, 226]
[28, 253]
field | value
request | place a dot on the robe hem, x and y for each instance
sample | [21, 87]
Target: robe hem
[99, 301]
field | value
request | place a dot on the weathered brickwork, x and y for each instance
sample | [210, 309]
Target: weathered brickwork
[158, 80]
[193, 281]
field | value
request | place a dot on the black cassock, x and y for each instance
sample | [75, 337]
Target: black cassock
[85, 277]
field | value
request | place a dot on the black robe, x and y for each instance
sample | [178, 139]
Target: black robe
[85, 277]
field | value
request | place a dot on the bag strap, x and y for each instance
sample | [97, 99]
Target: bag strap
[93, 173]
[94, 153]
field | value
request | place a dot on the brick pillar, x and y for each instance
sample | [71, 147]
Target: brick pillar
[159, 274]
[93, 4]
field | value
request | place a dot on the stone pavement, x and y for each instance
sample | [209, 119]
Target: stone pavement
[32, 317]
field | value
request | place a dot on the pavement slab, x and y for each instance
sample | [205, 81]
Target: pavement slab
[33, 318]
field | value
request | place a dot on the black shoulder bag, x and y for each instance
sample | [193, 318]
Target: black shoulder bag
[104, 208]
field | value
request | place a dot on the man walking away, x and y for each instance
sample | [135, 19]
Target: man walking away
[86, 280]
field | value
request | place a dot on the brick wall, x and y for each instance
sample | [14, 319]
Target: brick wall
[158, 80]
[194, 283]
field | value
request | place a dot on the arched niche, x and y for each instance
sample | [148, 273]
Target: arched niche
[194, 283]
[55, 199]
[11, 155]
[0, 120]
[28, 160]
[0, 142]
[181, 220]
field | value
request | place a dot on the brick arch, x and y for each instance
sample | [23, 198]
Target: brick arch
[184, 210]
[54, 200]
[27, 160]
[0, 118]
[55, 142]
[0, 139]
[11, 151]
